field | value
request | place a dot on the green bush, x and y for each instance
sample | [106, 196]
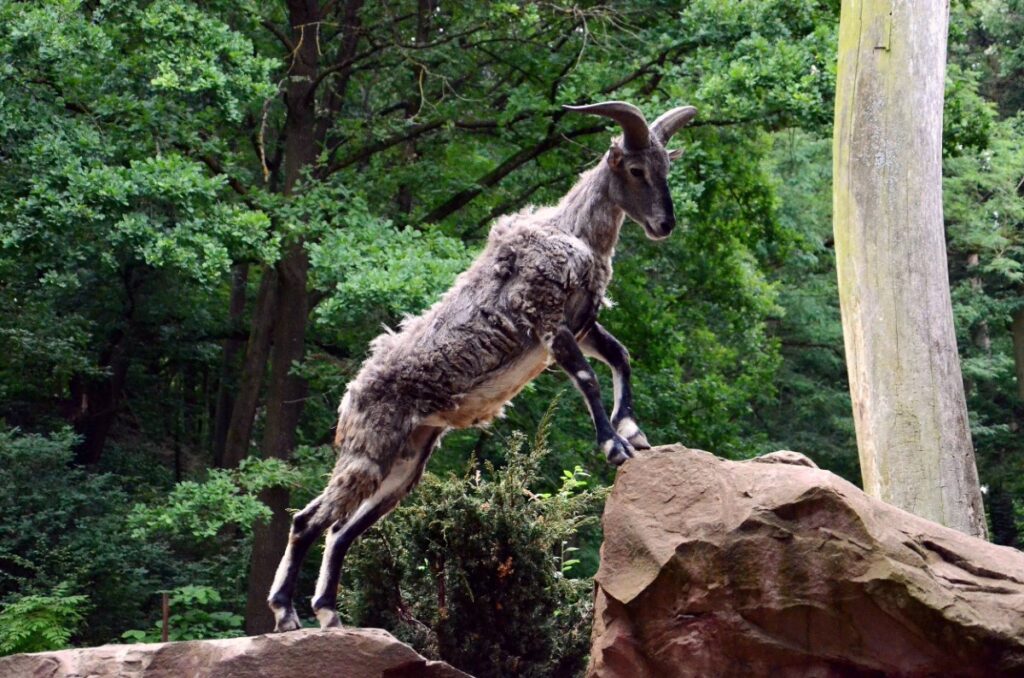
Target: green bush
[64, 529]
[193, 618]
[39, 623]
[199, 511]
[475, 569]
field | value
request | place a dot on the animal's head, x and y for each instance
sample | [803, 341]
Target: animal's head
[639, 163]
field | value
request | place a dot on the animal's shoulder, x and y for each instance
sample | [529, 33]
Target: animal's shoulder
[526, 245]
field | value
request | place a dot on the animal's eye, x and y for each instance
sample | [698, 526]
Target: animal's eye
[636, 171]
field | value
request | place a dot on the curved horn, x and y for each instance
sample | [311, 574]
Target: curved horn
[636, 136]
[670, 122]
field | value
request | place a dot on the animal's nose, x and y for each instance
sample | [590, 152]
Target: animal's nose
[667, 225]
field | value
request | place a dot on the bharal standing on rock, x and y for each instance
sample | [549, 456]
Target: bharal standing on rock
[530, 298]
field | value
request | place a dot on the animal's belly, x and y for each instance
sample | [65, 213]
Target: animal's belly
[486, 401]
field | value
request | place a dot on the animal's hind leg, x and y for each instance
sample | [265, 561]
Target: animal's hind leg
[307, 525]
[403, 476]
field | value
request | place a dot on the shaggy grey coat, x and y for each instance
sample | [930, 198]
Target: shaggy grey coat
[527, 300]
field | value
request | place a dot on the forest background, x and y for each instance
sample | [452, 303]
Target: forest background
[207, 210]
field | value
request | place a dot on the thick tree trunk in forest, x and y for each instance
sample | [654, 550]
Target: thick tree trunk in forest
[1017, 332]
[286, 392]
[905, 381]
[225, 385]
[980, 334]
[96, 400]
[1003, 514]
[236, 444]
[286, 395]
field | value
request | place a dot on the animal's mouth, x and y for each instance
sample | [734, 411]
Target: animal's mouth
[655, 233]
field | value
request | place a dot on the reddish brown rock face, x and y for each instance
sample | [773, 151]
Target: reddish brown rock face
[337, 652]
[718, 568]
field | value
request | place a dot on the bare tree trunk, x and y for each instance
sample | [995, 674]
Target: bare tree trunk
[980, 335]
[905, 382]
[424, 13]
[231, 347]
[286, 392]
[96, 400]
[236, 444]
[1017, 332]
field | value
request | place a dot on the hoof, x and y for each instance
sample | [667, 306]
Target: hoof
[287, 621]
[628, 429]
[639, 441]
[328, 619]
[617, 450]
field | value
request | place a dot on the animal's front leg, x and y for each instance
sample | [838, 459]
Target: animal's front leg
[569, 357]
[601, 344]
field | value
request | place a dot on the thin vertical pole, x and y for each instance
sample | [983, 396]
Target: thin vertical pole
[167, 615]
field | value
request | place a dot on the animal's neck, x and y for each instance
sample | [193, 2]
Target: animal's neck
[589, 214]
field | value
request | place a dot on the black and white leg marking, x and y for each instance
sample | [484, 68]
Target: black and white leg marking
[401, 479]
[304, 531]
[569, 357]
[601, 344]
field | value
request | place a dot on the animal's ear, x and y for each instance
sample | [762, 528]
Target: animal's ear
[615, 155]
[675, 153]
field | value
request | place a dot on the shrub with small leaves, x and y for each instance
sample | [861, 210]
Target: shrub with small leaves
[473, 569]
[193, 618]
[39, 623]
[199, 510]
[61, 524]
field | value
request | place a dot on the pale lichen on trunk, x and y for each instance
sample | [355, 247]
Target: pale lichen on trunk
[905, 383]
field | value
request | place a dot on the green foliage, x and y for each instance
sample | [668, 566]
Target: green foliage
[377, 273]
[201, 510]
[38, 623]
[985, 37]
[146, 162]
[985, 225]
[62, 529]
[476, 568]
[193, 617]
[812, 412]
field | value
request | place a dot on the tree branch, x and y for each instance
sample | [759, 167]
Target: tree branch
[216, 167]
[462, 198]
[516, 202]
[288, 44]
[366, 151]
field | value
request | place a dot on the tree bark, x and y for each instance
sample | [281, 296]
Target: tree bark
[286, 391]
[96, 400]
[908, 395]
[1017, 332]
[236, 444]
[231, 347]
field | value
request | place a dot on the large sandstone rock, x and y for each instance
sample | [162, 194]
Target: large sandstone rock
[352, 653]
[718, 568]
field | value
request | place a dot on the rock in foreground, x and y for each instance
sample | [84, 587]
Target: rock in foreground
[719, 568]
[353, 653]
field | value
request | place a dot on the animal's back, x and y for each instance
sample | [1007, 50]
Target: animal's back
[460, 361]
